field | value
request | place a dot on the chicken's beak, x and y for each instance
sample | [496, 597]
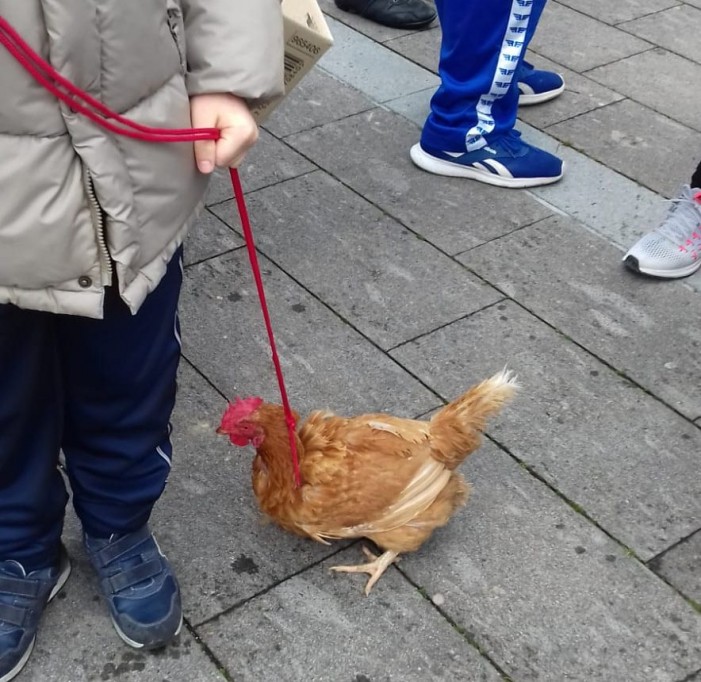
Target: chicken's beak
[221, 431]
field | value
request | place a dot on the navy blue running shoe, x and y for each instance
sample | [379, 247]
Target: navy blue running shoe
[139, 587]
[23, 598]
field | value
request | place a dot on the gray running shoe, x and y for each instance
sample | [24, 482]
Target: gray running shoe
[674, 248]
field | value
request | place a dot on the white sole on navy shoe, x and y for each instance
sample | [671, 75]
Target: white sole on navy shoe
[138, 645]
[500, 178]
[526, 98]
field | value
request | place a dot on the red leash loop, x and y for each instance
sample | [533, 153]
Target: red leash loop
[88, 106]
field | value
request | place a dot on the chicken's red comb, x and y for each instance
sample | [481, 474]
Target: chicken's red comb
[238, 410]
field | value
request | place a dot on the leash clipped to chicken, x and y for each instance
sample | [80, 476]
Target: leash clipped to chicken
[374, 476]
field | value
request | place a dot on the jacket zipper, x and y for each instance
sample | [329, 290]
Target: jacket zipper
[99, 222]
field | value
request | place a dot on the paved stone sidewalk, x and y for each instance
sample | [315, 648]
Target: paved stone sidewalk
[578, 556]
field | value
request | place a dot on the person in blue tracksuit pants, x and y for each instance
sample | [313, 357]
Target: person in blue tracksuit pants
[470, 130]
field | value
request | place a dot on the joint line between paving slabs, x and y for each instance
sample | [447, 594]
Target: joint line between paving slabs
[334, 312]
[690, 677]
[577, 508]
[679, 542]
[203, 376]
[466, 316]
[221, 668]
[269, 588]
[496, 288]
[462, 631]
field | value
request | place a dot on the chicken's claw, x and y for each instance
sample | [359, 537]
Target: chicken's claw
[376, 567]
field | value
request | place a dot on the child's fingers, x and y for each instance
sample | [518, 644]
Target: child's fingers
[205, 150]
[234, 143]
[205, 154]
[238, 130]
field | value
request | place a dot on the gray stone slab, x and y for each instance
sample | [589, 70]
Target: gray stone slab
[545, 594]
[319, 627]
[327, 363]
[452, 213]
[356, 60]
[422, 48]
[618, 316]
[646, 78]
[318, 99]
[676, 29]
[388, 283]
[581, 95]
[414, 107]
[270, 161]
[627, 460]
[372, 30]
[77, 643]
[681, 566]
[627, 137]
[580, 42]
[603, 200]
[619, 11]
[209, 237]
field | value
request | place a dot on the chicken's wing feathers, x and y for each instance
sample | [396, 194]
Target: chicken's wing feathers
[417, 496]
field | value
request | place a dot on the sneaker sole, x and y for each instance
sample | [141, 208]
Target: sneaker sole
[632, 263]
[440, 167]
[137, 645]
[526, 100]
[20, 664]
[62, 578]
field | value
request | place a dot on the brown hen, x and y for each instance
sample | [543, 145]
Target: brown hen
[384, 478]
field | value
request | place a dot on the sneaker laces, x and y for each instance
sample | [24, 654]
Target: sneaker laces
[684, 217]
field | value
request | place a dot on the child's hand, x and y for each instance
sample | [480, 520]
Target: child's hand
[239, 131]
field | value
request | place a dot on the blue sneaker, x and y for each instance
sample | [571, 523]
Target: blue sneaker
[23, 597]
[139, 586]
[537, 86]
[505, 162]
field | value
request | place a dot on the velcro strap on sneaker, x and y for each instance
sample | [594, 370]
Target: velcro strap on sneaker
[133, 576]
[13, 615]
[114, 550]
[20, 587]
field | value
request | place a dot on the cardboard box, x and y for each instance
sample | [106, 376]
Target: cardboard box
[307, 38]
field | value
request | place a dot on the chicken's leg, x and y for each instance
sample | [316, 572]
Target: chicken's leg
[376, 567]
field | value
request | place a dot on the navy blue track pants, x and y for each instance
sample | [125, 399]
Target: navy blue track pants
[483, 43]
[103, 392]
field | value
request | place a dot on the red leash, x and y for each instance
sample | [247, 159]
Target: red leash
[80, 101]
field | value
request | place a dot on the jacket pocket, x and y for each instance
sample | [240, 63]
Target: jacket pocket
[176, 24]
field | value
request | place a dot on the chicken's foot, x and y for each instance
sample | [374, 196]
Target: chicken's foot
[376, 567]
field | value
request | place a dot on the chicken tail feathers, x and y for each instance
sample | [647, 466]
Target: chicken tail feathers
[456, 430]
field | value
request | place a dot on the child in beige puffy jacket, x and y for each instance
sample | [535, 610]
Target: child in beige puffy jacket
[91, 228]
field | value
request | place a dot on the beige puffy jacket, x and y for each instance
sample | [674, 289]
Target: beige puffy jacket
[77, 202]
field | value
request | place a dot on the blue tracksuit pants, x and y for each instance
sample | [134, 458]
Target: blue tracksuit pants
[103, 392]
[484, 42]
